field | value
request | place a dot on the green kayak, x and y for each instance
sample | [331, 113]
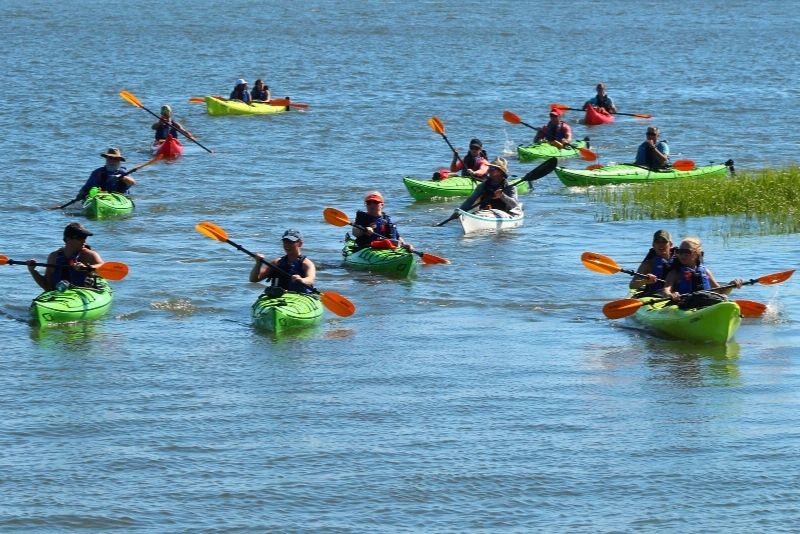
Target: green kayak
[216, 107]
[72, 304]
[627, 173]
[544, 150]
[286, 312]
[102, 204]
[393, 262]
[453, 186]
[713, 324]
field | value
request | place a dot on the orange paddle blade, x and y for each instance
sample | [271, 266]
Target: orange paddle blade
[683, 165]
[511, 117]
[594, 167]
[432, 259]
[112, 270]
[197, 100]
[587, 154]
[751, 308]
[642, 115]
[3, 260]
[621, 308]
[130, 97]
[599, 263]
[209, 229]
[775, 278]
[335, 217]
[337, 304]
[436, 125]
[560, 107]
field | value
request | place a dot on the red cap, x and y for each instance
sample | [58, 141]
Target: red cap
[555, 112]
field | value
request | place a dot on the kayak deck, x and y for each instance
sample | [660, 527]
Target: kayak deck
[453, 186]
[72, 304]
[625, 173]
[103, 204]
[286, 312]
[712, 324]
[544, 150]
[489, 220]
[392, 262]
[218, 107]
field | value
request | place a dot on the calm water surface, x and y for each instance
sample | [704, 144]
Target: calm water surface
[488, 395]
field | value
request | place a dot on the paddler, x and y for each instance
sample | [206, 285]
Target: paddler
[476, 162]
[653, 153]
[110, 177]
[166, 126]
[379, 230]
[690, 274]
[260, 92]
[495, 192]
[555, 131]
[240, 91]
[601, 100]
[656, 265]
[301, 271]
[73, 262]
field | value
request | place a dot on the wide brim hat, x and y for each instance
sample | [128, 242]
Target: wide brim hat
[113, 153]
[500, 163]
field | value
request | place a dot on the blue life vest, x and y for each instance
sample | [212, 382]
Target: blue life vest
[164, 129]
[259, 94]
[691, 280]
[62, 271]
[286, 282]
[555, 133]
[383, 226]
[660, 267]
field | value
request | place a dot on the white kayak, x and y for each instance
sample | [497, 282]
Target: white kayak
[483, 220]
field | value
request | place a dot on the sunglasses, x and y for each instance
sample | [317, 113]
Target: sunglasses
[684, 251]
[652, 133]
[372, 202]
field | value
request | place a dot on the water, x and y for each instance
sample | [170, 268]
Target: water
[487, 395]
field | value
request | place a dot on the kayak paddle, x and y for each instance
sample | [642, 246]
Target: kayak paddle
[335, 302]
[126, 173]
[436, 124]
[110, 270]
[683, 165]
[618, 309]
[340, 218]
[563, 107]
[542, 170]
[513, 118]
[131, 98]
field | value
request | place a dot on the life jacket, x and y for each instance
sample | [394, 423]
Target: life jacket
[555, 133]
[283, 281]
[62, 271]
[112, 182]
[691, 280]
[488, 202]
[164, 129]
[383, 226]
[238, 93]
[603, 102]
[473, 163]
[660, 267]
[255, 94]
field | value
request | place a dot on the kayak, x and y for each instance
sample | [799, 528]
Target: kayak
[286, 312]
[102, 204]
[628, 173]
[72, 304]
[453, 186]
[544, 150]
[595, 116]
[169, 148]
[712, 324]
[483, 220]
[393, 262]
[217, 107]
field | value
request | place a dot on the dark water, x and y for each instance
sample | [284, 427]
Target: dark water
[487, 395]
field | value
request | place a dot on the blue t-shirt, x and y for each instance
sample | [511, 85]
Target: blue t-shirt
[101, 178]
[608, 101]
[641, 154]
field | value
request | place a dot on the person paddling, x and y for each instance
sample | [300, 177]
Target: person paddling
[495, 192]
[109, 177]
[240, 91]
[260, 92]
[690, 274]
[656, 265]
[601, 100]
[166, 126]
[476, 162]
[301, 271]
[378, 226]
[71, 263]
[653, 153]
[555, 131]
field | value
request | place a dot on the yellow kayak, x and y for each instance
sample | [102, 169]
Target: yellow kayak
[217, 106]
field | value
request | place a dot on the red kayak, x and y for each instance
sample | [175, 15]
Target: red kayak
[595, 115]
[170, 148]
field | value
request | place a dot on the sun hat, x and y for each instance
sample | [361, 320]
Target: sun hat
[113, 153]
[500, 163]
[240, 81]
[292, 235]
[76, 229]
[374, 195]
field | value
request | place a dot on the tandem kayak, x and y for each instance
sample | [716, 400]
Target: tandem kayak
[169, 148]
[393, 262]
[453, 186]
[628, 173]
[595, 116]
[484, 220]
[102, 204]
[286, 312]
[712, 324]
[544, 150]
[217, 106]
[72, 304]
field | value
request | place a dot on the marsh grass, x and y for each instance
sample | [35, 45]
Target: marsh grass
[764, 202]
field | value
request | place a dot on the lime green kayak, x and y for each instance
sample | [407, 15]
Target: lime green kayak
[102, 204]
[216, 107]
[393, 262]
[72, 304]
[287, 312]
[626, 173]
[544, 150]
[453, 186]
[713, 324]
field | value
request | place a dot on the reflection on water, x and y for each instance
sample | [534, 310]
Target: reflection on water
[693, 364]
[64, 336]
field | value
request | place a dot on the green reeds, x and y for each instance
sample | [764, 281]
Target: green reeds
[766, 199]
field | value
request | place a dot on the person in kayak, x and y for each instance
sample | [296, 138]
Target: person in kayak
[495, 192]
[656, 265]
[260, 92]
[689, 273]
[166, 126]
[240, 91]
[601, 100]
[476, 162]
[653, 153]
[110, 177]
[71, 264]
[555, 131]
[379, 230]
[301, 271]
